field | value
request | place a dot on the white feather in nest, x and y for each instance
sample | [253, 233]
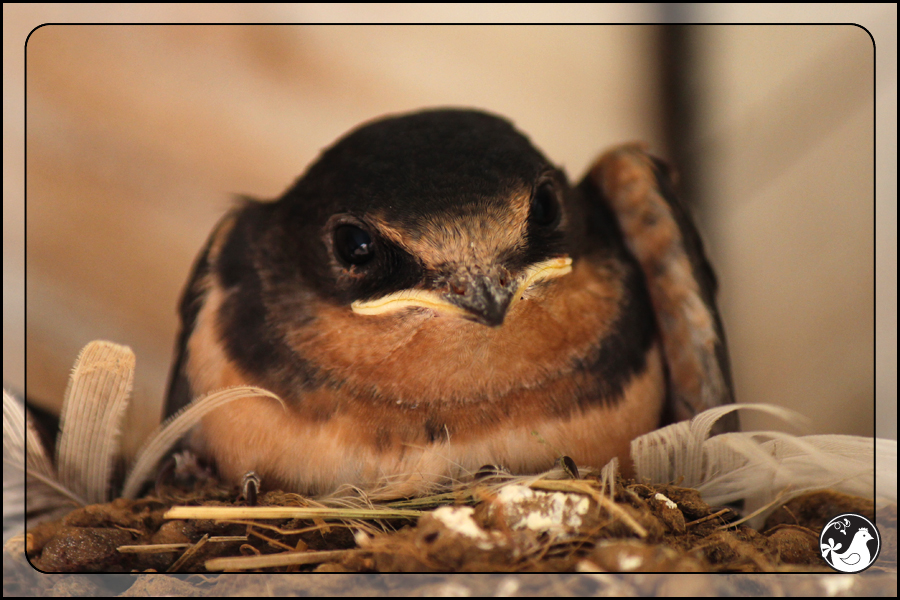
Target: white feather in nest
[762, 467]
[15, 432]
[90, 425]
[22, 449]
[88, 449]
[176, 427]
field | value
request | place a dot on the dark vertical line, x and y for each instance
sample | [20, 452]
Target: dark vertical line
[890, 418]
[25, 240]
[680, 87]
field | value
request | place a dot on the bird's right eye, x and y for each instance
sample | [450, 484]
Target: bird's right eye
[353, 245]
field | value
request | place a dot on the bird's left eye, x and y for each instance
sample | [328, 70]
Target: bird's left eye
[353, 245]
[544, 206]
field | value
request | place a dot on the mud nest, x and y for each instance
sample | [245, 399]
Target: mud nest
[547, 526]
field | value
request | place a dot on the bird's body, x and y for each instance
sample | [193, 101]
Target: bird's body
[432, 296]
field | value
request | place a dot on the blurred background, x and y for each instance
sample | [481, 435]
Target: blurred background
[138, 137]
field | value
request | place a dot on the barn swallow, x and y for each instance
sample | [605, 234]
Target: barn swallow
[431, 296]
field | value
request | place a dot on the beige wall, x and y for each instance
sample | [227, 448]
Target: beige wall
[788, 157]
[138, 137]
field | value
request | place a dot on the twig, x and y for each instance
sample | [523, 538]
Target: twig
[284, 559]
[763, 508]
[708, 517]
[176, 566]
[151, 548]
[285, 512]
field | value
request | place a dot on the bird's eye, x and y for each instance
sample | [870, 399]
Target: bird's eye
[353, 245]
[544, 206]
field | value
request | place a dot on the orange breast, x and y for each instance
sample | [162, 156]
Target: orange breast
[423, 397]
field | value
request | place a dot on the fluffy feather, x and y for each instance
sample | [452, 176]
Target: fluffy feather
[760, 467]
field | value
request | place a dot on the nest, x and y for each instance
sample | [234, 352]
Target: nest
[545, 526]
[560, 521]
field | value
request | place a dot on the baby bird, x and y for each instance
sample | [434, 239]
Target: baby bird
[431, 296]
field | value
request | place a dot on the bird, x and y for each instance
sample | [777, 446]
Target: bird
[433, 295]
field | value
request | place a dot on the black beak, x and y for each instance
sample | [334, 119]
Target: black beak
[486, 297]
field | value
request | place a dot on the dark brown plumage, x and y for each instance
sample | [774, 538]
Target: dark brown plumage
[432, 296]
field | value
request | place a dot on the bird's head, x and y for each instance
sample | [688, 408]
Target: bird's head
[452, 212]
[423, 250]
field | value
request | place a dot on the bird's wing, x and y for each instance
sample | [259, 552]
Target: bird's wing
[179, 393]
[638, 189]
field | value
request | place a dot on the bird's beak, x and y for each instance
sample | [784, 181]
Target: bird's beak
[484, 297]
